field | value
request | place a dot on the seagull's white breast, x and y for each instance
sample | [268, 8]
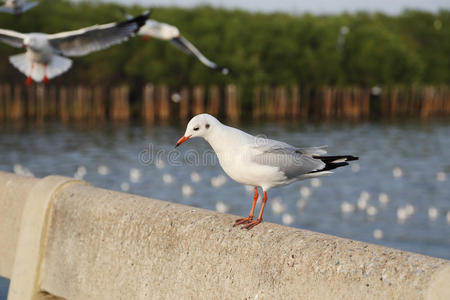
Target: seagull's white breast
[39, 50]
[235, 157]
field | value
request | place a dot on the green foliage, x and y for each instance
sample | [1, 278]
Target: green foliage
[260, 49]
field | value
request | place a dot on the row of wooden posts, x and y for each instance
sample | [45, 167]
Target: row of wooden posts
[159, 103]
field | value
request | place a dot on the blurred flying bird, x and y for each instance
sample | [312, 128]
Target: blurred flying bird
[260, 162]
[167, 32]
[17, 7]
[45, 55]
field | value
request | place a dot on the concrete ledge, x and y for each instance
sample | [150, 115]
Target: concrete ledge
[108, 245]
[32, 237]
[14, 190]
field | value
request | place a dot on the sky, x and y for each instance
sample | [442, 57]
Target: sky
[303, 6]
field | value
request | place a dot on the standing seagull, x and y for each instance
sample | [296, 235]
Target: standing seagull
[45, 59]
[167, 32]
[17, 7]
[260, 161]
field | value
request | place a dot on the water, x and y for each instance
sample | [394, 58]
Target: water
[419, 150]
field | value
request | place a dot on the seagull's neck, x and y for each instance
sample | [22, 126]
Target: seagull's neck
[226, 138]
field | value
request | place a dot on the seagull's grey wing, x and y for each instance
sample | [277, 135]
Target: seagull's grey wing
[97, 37]
[269, 145]
[180, 43]
[188, 48]
[292, 161]
[12, 38]
[7, 9]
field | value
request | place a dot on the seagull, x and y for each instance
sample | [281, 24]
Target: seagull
[259, 161]
[17, 7]
[45, 57]
[167, 32]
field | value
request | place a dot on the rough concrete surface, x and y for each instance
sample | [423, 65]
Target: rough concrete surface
[14, 191]
[31, 244]
[109, 245]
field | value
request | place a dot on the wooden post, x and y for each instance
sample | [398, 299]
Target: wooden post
[78, 104]
[393, 102]
[365, 109]
[63, 104]
[52, 106]
[184, 104]
[31, 101]
[269, 101]
[327, 107]
[214, 100]
[295, 101]
[281, 101]
[232, 103]
[120, 105]
[148, 103]
[3, 113]
[125, 102]
[17, 110]
[98, 104]
[7, 100]
[41, 106]
[198, 96]
[163, 103]
[256, 105]
[305, 99]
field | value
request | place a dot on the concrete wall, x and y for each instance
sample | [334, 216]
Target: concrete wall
[100, 244]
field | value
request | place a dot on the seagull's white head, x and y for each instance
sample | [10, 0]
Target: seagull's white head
[159, 30]
[202, 125]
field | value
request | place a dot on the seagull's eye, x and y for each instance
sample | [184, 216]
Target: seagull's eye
[196, 128]
[207, 126]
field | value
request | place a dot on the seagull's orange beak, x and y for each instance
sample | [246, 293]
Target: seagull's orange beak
[182, 140]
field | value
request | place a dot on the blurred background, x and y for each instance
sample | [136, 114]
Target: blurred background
[365, 78]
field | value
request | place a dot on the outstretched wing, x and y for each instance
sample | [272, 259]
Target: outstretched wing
[94, 38]
[12, 38]
[28, 5]
[188, 48]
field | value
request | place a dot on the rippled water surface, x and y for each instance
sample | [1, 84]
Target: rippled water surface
[408, 161]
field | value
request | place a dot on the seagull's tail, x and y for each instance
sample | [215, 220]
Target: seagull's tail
[57, 66]
[37, 71]
[333, 162]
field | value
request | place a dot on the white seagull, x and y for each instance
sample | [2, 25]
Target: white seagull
[167, 32]
[45, 55]
[17, 7]
[258, 161]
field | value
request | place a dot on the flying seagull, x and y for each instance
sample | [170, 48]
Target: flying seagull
[167, 32]
[260, 162]
[45, 57]
[17, 7]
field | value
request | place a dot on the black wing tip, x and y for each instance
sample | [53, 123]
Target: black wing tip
[351, 157]
[333, 162]
[223, 70]
[139, 20]
[330, 159]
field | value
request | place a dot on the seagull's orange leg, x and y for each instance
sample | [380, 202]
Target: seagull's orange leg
[45, 79]
[252, 211]
[146, 37]
[29, 80]
[261, 212]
